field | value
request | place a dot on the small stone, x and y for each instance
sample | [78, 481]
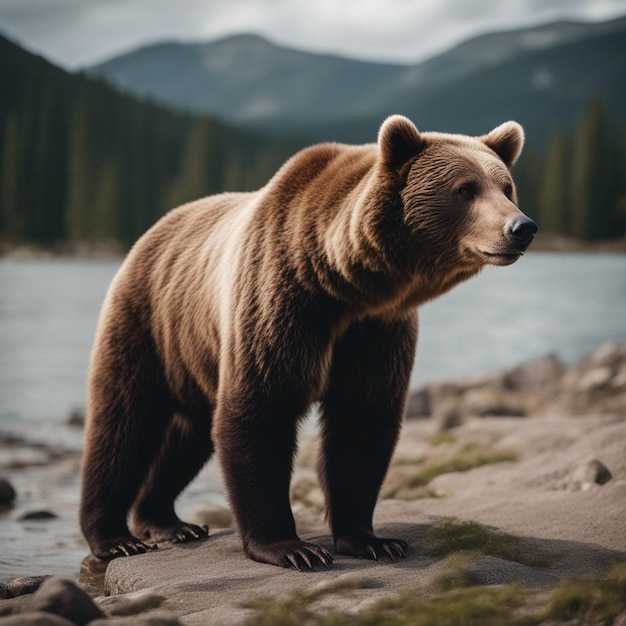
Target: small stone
[130, 603]
[7, 492]
[418, 404]
[591, 472]
[608, 355]
[536, 375]
[595, 379]
[306, 491]
[492, 401]
[588, 474]
[37, 516]
[62, 596]
[448, 414]
[4, 594]
[214, 517]
[38, 618]
[76, 418]
[24, 584]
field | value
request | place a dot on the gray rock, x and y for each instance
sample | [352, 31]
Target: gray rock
[611, 355]
[214, 517]
[536, 375]
[24, 584]
[38, 618]
[13, 606]
[418, 404]
[62, 596]
[589, 473]
[594, 379]
[448, 413]
[491, 401]
[76, 418]
[37, 515]
[130, 603]
[4, 594]
[7, 492]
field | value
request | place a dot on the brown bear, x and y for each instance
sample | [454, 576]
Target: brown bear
[234, 314]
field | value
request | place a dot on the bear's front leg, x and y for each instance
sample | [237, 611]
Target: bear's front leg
[361, 416]
[255, 442]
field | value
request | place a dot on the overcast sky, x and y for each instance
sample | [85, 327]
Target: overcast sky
[78, 33]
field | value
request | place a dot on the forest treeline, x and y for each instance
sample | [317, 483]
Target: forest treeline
[576, 186]
[82, 163]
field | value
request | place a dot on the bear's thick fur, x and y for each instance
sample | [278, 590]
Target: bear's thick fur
[235, 313]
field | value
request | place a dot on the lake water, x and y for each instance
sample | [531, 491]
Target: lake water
[568, 304]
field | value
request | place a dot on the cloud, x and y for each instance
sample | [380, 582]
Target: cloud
[77, 32]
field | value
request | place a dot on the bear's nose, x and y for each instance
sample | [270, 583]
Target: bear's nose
[522, 231]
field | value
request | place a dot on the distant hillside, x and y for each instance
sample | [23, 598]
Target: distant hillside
[81, 162]
[536, 75]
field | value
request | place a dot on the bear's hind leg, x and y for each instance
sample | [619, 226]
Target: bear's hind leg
[186, 449]
[128, 414]
[361, 416]
[117, 456]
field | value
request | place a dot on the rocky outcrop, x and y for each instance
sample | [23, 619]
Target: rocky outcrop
[595, 385]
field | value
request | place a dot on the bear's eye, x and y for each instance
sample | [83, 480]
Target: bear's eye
[508, 191]
[467, 191]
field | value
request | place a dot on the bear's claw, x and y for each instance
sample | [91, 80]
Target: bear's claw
[294, 554]
[123, 547]
[371, 547]
[189, 532]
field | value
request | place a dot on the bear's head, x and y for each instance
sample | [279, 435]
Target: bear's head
[458, 196]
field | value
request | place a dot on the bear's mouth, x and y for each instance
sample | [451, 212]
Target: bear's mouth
[502, 258]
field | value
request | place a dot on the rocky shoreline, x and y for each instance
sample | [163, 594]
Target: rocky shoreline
[516, 477]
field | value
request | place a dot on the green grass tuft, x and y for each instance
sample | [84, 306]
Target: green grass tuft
[454, 535]
[467, 458]
[442, 438]
[453, 601]
[455, 575]
[591, 600]
[475, 606]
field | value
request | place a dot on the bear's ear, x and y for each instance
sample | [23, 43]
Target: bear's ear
[398, 141]
[507, 141]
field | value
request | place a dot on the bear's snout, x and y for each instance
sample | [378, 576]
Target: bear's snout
[522, 231]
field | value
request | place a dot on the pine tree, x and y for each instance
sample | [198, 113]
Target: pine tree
[554, 195]
[106, 202]
[80, 183]
[202, 166]
[11, 182]
[527, 173]
[49, 173]
[620, 200]
[592, 205]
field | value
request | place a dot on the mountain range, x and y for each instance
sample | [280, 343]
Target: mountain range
[541, 76]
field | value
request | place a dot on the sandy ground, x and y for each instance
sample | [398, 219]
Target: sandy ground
[548, 496]
[551, 484]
